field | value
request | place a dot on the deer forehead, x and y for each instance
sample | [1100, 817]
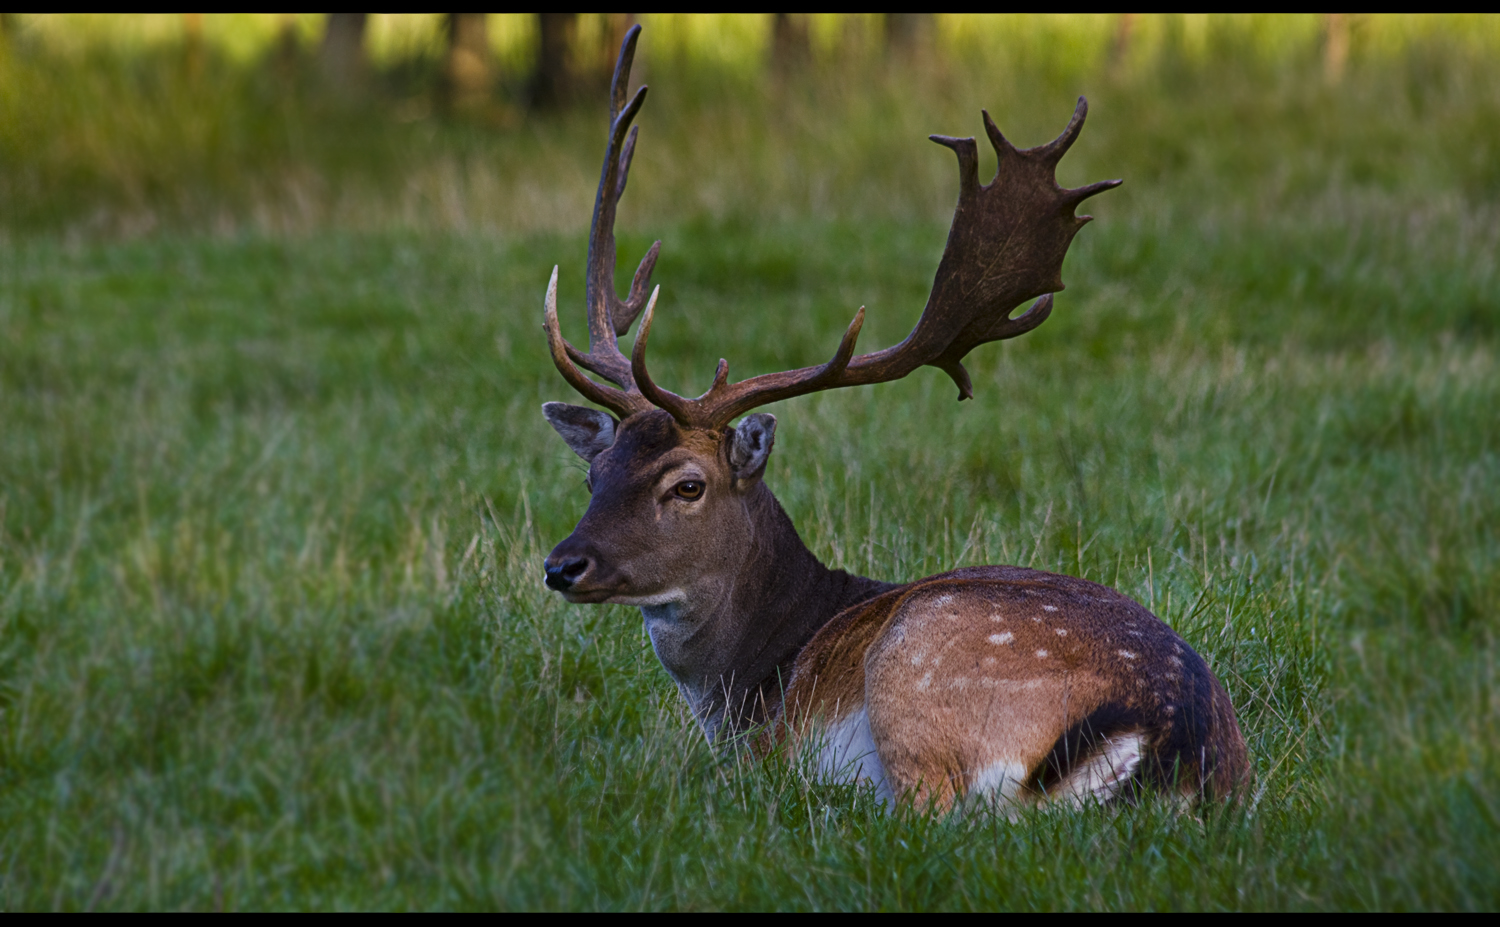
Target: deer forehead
[650, 444]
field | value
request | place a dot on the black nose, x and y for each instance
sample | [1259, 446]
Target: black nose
[563, 575]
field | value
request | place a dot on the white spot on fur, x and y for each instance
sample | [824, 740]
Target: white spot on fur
[996, 616]
[1102, 775]
[999, 781]
[1041, 654]
[1174, 661]
[1050, 608]
[846, 753]
[1004, 637]
[942, 600]
[926, 683]
[1061, 632]
[989, 661]
[1126, 654]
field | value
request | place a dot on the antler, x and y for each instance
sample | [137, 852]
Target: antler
[1006, 245]
[608, 315]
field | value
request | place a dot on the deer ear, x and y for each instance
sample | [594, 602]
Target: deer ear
[750, 445]
[588, 432]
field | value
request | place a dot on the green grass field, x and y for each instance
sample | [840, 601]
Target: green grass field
[275, 487]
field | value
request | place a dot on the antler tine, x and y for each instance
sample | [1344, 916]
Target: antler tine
[626, 157]
[1055, 149]
[1079, 194]
[625, 313]
[968, 162]
[998, 141]
[564, 355]
[680, 408]
[619, 83]
[723, 402]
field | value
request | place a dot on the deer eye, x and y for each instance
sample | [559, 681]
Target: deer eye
[689, 490]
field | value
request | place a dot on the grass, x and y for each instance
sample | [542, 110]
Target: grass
[272, 498]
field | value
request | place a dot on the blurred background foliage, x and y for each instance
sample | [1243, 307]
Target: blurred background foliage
[126, 123]
[274, 489]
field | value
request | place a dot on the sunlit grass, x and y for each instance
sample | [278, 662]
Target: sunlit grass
[274, 484]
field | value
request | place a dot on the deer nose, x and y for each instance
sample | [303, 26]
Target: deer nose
[563, 575]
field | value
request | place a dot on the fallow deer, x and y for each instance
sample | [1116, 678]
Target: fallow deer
[993, 681]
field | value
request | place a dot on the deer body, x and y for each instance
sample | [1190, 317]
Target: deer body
[986, 681]
[990, 682]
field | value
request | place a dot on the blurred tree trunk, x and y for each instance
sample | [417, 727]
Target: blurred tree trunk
[908, 33]
[791, 47]
[192, 33]
[1335, 46]
[1119, 51]
[552, 85]
[342, 57]
[468, 65]
[288, 48]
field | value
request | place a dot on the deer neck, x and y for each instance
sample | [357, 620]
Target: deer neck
[729, 639]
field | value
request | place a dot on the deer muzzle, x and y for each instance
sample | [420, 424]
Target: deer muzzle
[562, 575]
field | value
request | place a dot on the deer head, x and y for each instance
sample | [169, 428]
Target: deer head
[670, 479]
[672, 511]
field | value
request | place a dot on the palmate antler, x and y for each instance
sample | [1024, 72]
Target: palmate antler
[1006, 245]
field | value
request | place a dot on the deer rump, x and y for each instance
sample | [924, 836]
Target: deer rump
[1009, 684]
[988, 681]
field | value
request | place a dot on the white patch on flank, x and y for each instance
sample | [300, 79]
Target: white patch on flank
[1041, 653]
[925, 684]
[1126, 654]
[846, 753]
[1004, 637]
[1050, 608]
[1174, 661]
[942, 600]
[1061, 632]
[996, 616]
[1102, 775]
[999, 782]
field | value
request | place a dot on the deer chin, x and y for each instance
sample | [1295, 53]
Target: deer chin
[656, 600]
[619, 596]
[586, 596]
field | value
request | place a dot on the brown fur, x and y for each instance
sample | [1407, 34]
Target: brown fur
[949, 673]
